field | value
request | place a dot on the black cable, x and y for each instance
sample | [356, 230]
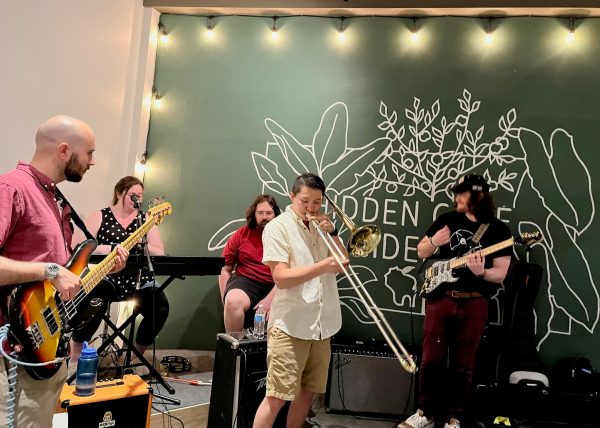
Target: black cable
[167, 411]
[340, 381]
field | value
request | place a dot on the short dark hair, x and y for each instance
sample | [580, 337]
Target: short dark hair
[123, 186]
[309, 180]
[251, 218]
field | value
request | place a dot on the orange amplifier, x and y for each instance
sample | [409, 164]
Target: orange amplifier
[117, 403]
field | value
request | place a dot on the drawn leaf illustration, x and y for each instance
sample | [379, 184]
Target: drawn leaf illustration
[219, 239]
[572, 177]
[358, 159]
[275, 155]
[573, 278]
[382, 109]
[268, 172]
[348, 296]
[540, 170]
[356, 307]
[300, 157]
[330, 139]
[384, 125]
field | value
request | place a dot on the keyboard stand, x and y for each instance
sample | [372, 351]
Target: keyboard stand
[118, 332]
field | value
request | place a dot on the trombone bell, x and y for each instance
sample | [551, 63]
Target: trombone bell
[364, 240]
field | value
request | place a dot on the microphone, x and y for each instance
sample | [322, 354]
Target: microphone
[135, 200]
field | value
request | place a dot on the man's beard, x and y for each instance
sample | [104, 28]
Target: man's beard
[72, 172]
[261, 225]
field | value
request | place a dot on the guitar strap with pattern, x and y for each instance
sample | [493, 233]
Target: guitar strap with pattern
[477, 237]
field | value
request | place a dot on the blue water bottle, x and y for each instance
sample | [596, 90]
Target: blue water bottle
[87, 368]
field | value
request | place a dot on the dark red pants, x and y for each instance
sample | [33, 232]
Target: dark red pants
[452, 331]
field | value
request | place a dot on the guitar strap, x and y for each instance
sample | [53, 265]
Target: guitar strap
[74, 216]
[477, 237]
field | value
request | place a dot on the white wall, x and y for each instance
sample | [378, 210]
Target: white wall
[90, 59]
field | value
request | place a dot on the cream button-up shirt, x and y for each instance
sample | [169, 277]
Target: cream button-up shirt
[310, 310]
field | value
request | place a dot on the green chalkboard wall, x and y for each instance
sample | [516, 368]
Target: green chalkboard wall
[389, 124]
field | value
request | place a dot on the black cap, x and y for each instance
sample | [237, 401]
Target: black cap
[473, 182]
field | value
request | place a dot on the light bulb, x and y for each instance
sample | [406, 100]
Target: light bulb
[341, 36]
[157, 102]
[210, 32]
[489, 38]
[140, 169]
[414, 36]
[163, 36]
[274, 34]
[571, 36]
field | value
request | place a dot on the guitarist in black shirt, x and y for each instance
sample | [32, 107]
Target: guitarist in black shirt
[456, 312]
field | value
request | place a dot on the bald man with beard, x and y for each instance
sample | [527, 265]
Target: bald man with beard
[35, 244]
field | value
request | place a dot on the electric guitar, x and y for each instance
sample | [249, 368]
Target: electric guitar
[435, 272]
[41, 322]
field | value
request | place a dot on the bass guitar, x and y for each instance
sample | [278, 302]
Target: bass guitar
[41, 322]
[435, 272]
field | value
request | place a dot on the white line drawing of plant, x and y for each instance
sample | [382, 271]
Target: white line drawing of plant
[426, 156]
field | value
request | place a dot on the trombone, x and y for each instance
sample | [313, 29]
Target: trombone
[363, 240]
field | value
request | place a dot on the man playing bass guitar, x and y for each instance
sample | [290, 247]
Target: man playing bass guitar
[35, 243]
[456, 312]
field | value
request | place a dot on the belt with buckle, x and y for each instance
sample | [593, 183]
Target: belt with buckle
[463, 294]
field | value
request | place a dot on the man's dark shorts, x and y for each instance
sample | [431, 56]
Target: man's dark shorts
[255, 290]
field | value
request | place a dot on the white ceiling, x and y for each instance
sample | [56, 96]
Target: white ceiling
[497, 8]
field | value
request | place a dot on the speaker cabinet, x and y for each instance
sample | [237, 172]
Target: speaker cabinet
[368, 380]
[239, 381]
[118, 403]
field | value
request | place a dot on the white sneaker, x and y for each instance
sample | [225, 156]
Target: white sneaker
[418, 420]
[452, 423]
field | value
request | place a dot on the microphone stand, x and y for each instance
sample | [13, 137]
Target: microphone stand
[150, 267]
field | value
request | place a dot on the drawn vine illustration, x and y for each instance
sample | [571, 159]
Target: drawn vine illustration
[419, 155]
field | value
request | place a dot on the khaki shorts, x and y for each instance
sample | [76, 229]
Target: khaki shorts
[295, 363]
[37, 399]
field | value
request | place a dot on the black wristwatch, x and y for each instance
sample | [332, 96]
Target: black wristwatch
[334, 232]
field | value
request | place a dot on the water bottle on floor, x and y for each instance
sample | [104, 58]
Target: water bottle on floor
[259, 323]
[87, 369]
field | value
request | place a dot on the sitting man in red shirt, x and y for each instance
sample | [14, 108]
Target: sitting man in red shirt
[251, 284]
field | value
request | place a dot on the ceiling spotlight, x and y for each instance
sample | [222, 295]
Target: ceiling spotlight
[571, 33]
[414, 34]
[157, 100]
[274, 33]
[489, 34]
[341, 34]
[209, 28]
[163, 36]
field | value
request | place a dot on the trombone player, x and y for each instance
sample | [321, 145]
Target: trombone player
[305, 311]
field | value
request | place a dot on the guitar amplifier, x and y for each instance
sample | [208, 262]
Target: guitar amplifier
[118, 403]
[369, 380]
[239, 381]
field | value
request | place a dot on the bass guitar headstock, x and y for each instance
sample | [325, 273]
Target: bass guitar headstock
[158, 212]
[527, 239]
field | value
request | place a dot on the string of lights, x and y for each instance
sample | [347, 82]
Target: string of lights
[412, 26]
